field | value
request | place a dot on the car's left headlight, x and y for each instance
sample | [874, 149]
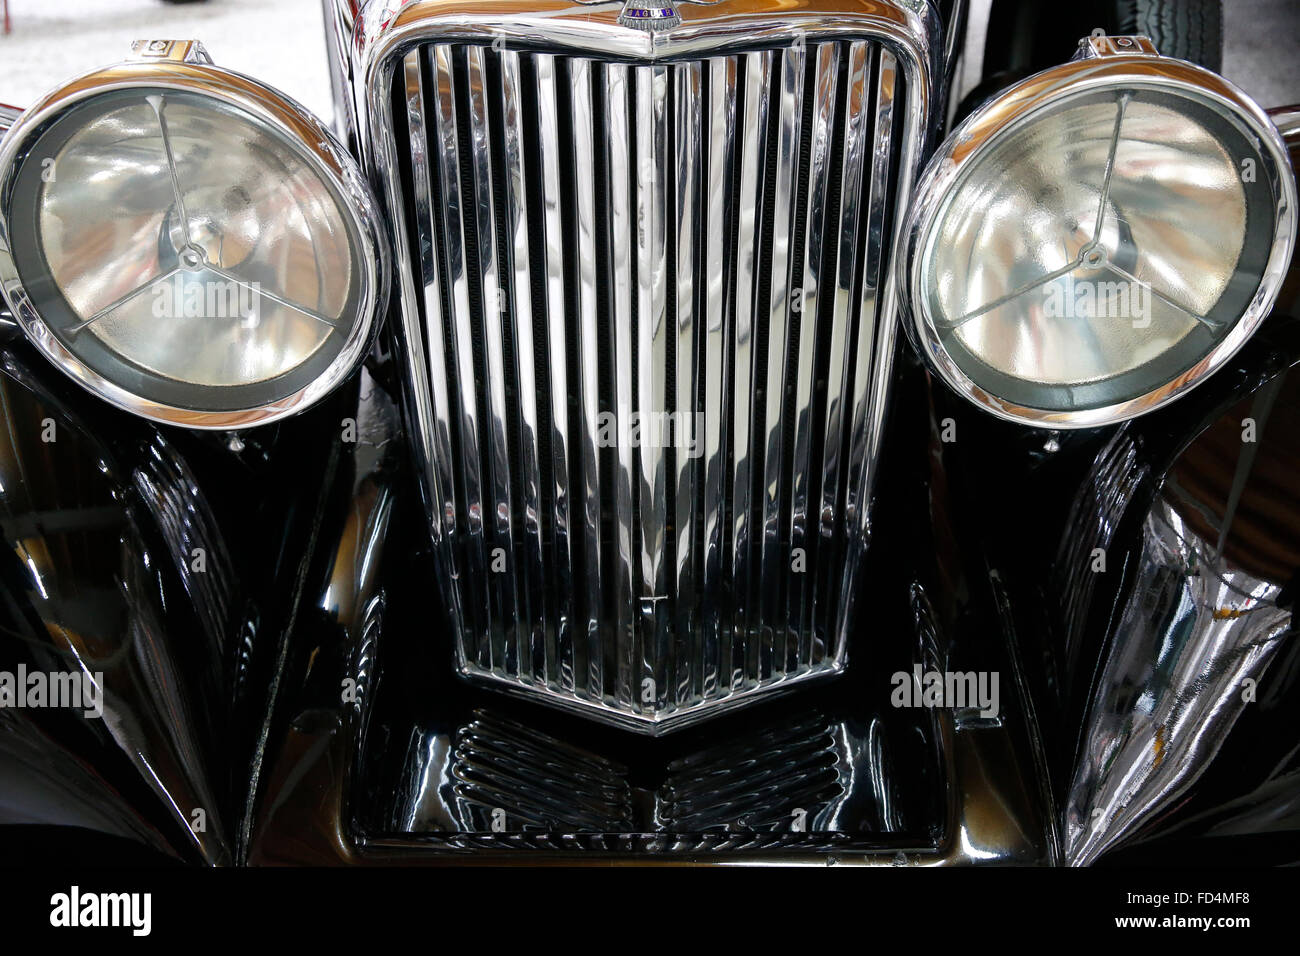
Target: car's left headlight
[188, 244]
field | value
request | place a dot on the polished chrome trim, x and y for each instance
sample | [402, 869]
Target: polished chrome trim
[1285, 118]
[651, 244]
[8, 117]
[754, 130]
[773, 566]
[984, 128]
[656, 286]
[339, 17]
[588, 643]
[954, 34]
[290, 120]
[715, 643]
[451, 244]
[429, 391]
[382, 35]
[619, 104]
[875, 341]
[1152, 730]
[858, 142]
[531, 645]
[561, 618]
[180, 51]
[689, 144]
[804, 474]
[492, 306]
[8, 324]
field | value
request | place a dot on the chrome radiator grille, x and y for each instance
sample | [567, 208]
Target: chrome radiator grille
[647, 361]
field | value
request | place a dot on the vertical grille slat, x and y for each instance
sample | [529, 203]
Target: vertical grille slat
[430, 393]
[856, 145]
[583, 204]
[645, 334]
[868, 393]
[742, 668]
[688, 373]
[719, 146]
[532, 650]
[818, 230]
[774, 561]
[651, 230]
[565, 625]
[492, 308]
[621, 326]
[451, 250]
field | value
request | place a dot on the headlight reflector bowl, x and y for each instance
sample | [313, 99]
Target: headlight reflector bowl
[188, 244]
[1097, 240]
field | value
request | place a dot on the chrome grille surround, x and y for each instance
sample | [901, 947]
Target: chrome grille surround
[636, 584]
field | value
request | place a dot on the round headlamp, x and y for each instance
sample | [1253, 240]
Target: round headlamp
[188, 244]
[1096, 240]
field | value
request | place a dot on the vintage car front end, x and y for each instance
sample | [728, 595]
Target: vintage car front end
[637, 431]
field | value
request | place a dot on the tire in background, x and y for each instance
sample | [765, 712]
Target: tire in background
[1186, 29]
[1025, 36]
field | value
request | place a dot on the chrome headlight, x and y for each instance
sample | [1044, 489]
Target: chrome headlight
[1099, 238]
[188, 244]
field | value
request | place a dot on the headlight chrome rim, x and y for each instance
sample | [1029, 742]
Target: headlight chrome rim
[287, 119]
[976, 135]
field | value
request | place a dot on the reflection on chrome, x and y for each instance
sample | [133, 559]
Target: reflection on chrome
[651, 239]
[1196, 629]
[495, 775]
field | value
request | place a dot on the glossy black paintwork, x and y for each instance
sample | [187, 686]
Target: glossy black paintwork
[120, 505]
[103, 527]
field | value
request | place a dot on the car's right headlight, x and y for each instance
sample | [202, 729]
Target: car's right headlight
[1099, 238]
[188, 244]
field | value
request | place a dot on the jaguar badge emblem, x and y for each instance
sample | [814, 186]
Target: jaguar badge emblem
[651, 15]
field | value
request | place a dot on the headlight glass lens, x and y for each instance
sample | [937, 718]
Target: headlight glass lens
[187, 251]
[1098, 249]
